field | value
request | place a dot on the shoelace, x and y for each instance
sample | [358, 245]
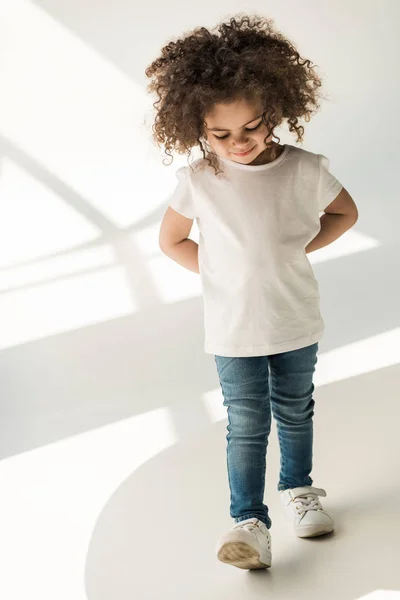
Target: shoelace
[252, 526]
[308, 502]
[249, 526]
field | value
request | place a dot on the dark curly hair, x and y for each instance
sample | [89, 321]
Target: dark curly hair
[249, 59]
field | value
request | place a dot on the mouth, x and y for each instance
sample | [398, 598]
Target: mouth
[243, 153]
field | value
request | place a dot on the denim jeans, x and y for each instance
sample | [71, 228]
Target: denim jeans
[251, 387]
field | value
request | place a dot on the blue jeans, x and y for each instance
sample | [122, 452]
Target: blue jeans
[251, 386]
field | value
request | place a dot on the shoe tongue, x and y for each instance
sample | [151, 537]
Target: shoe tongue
[253, 520]
[248, 521]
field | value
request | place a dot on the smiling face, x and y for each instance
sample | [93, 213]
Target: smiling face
[240, 129]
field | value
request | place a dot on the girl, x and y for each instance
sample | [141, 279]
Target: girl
[257, 205]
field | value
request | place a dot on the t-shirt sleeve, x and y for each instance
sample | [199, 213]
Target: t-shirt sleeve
[328, 186]
[181, 198]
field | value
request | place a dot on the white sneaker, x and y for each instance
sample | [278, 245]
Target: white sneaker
[302, 507]
[247, 545]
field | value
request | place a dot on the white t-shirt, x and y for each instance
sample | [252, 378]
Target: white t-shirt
[260, 295]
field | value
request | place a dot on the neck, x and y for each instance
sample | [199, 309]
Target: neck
[268, 155]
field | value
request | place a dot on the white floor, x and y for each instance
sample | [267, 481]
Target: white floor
[114, 481]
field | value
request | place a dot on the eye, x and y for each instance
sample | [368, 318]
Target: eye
[253, 128]
[246, 128]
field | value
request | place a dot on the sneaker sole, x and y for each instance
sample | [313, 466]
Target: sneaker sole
[243, 556]
[312, 531]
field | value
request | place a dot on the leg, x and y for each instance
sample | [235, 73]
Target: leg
[291, 375]
[245, 387]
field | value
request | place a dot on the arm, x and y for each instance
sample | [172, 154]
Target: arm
[185, 253]
[175, 243]
[339, 216]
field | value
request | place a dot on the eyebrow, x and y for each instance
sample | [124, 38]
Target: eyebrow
[219, 129]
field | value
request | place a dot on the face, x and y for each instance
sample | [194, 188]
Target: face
[241, 128]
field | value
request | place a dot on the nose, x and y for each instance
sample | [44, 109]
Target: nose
[240, 141]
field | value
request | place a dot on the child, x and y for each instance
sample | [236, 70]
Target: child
[257, 205]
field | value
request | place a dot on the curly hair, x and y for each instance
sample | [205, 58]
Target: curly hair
[249, 59]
